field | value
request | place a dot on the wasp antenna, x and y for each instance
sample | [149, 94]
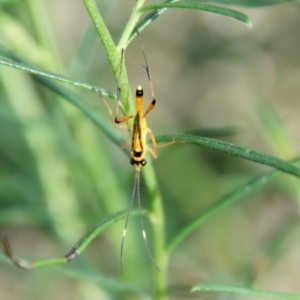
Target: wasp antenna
[138, 145]
[126, 222]
[147, 66]
[137, 184]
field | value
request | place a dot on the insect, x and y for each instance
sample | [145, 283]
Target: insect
[139, 146]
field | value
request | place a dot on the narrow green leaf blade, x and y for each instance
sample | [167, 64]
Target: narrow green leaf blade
[91, 113]
[224, 203]
[73, 253]
[46, 78]
[216, 132]
[148, 19]
[232, 149]
[97, 229]
[249, 3]
[84, 241]
[58, 77]
[244, 292]
[205, 7]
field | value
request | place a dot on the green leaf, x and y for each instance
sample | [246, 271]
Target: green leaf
[73, 253]
[232, 149]
[224, 203]
[216, 132]
[90, 112]
[97, 229]
[92, 276]
[244, 292]
[205, 7]
[44, 76]
[50, 75]
[147, 20]
[250, 3]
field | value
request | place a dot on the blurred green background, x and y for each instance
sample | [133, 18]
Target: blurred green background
[60, 175]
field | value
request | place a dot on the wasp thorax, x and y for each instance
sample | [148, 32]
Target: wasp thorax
[142, 162]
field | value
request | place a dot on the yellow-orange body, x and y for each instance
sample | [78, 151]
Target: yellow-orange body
[140, 130]
[138, 146]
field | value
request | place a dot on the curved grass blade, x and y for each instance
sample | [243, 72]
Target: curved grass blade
[91, 113]
[250, 3]
[72, 98]
[95, 277]
[216, 132]
[50, 75]
[244, 292]
[205, 7]
[224, 203]
[73, 253]
[95, 231]
[147, 20]
[232, 149]
[23, 264]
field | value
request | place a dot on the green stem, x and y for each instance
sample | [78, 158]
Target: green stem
[107, 41]
[133, 19]
[113, 54]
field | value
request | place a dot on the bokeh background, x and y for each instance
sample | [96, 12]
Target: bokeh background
[209, 72]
